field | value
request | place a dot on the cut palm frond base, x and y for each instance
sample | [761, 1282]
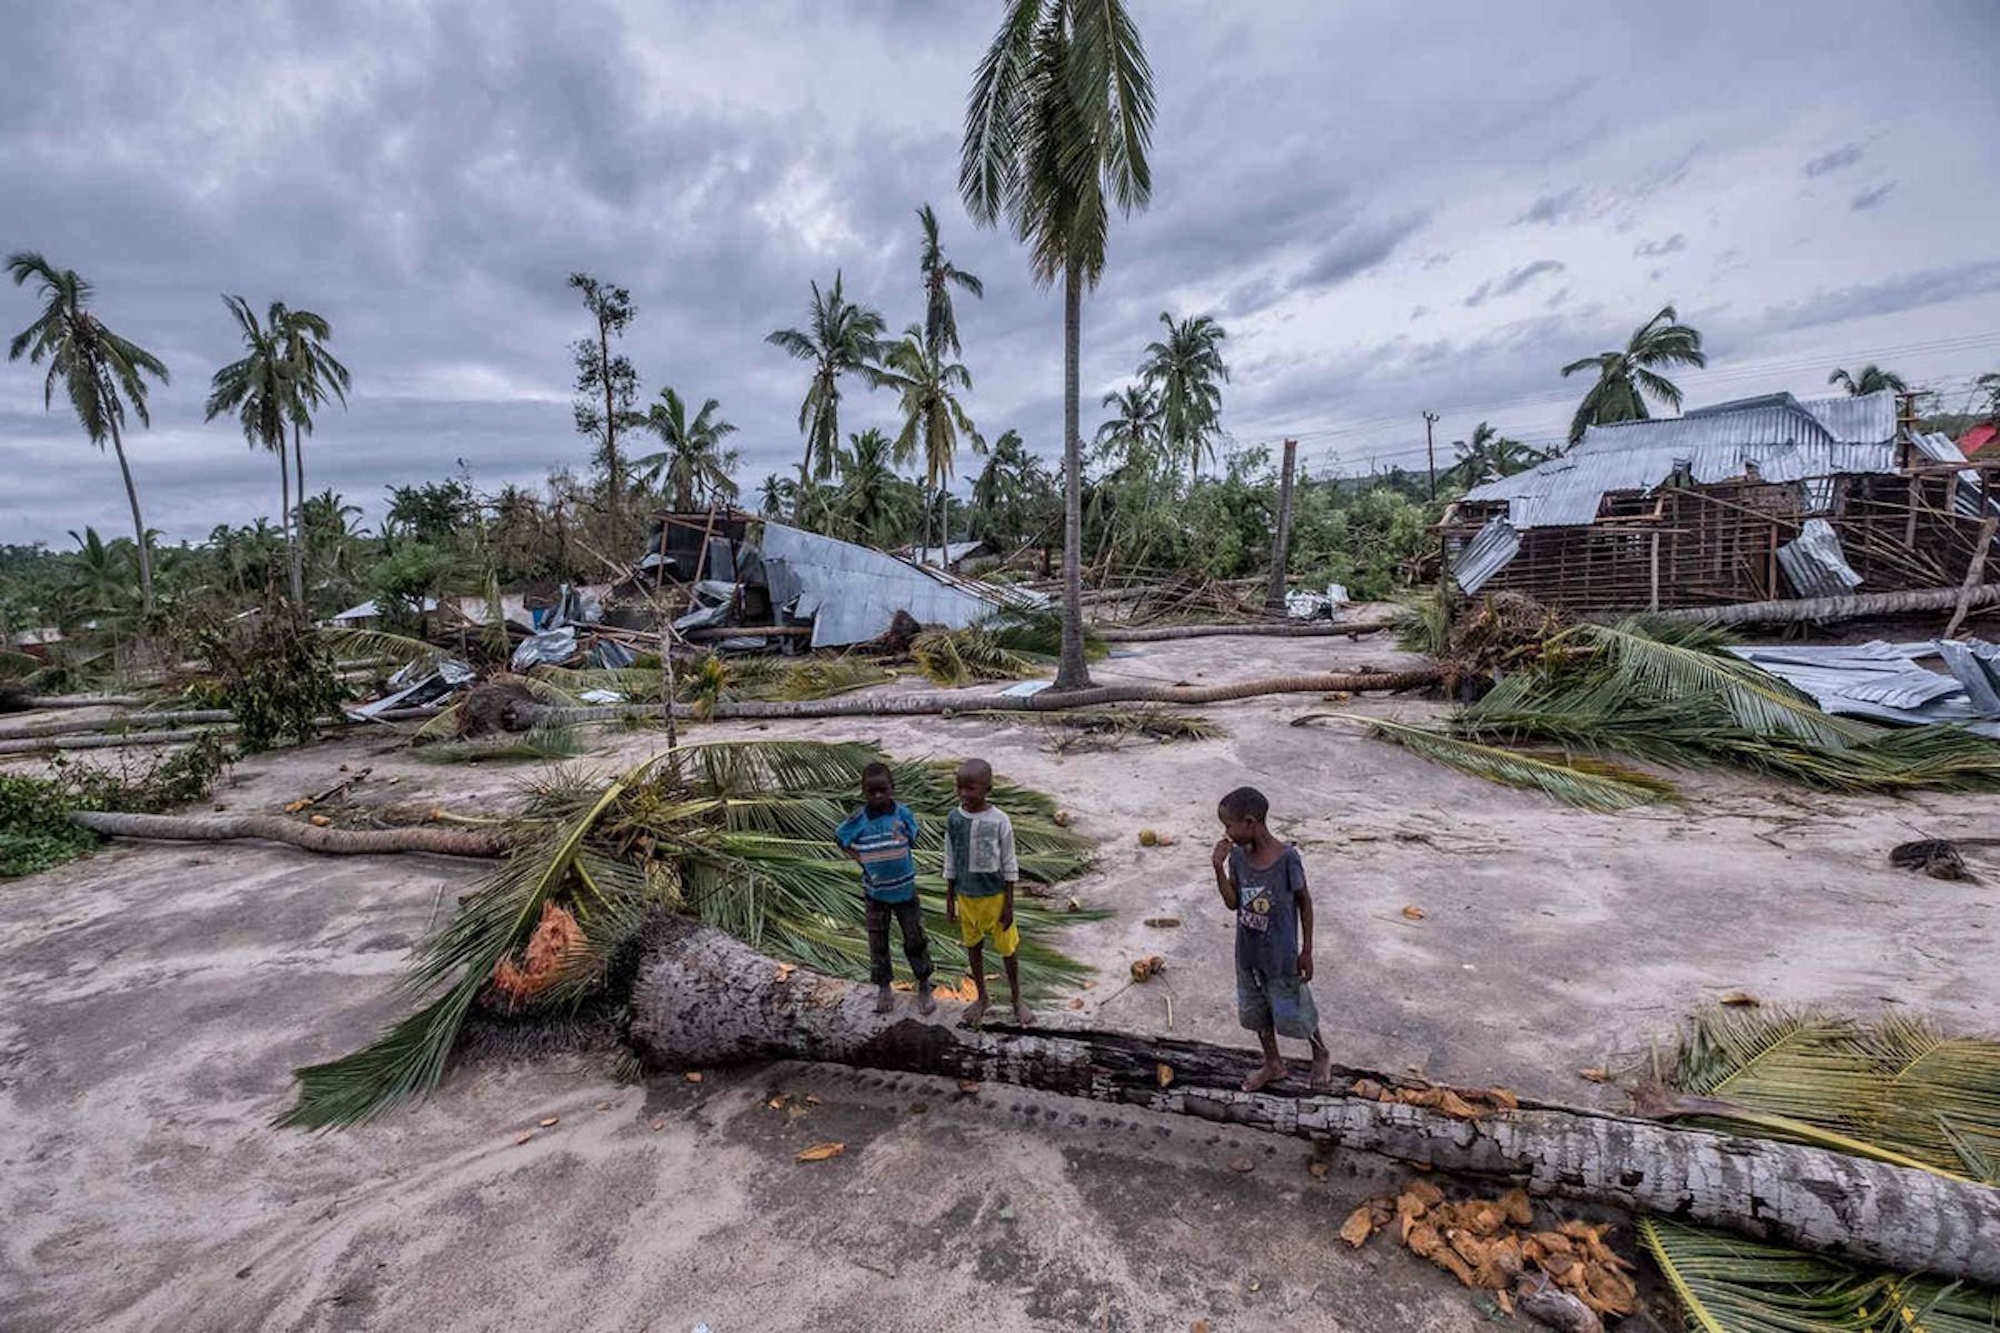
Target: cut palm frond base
[739, 835]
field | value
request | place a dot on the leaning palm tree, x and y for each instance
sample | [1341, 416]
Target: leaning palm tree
[694, 464]
[940, 276]
[1624, 378]
[99, 370]
[1061, 113]
[842, 337]
[314, 377]
[260, 389]
[1872, 379]
[928, 386]
[1490, 455]
[1187, 370]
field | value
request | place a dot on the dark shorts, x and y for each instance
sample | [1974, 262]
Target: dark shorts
[1283, 1003]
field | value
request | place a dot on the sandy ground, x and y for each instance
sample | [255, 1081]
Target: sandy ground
[154, 999]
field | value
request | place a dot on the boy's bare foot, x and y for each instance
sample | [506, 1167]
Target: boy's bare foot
[1023, 1015]
[975, 1013]
[1322, 1071]
[1267, 1073]
[884, 1001]
[926, 1005]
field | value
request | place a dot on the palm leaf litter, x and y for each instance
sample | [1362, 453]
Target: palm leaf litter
[1898, 1089]
[1566, 700]
[737, 835]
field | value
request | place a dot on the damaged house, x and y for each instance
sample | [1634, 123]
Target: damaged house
[1755, 500]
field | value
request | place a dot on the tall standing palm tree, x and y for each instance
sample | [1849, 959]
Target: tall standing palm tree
[260, 390]
[928, 386]
[314, 376]
[1872, 379]
[774, 496]
[873, 503]
[1187, 370]
[940, 276]
[100, 371]
[694, 465]
[1061, 113]
[1624, 378]
[843, 337]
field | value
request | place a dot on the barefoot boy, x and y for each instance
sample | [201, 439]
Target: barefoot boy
[1263, 881]
[880, 837]
[980, 872]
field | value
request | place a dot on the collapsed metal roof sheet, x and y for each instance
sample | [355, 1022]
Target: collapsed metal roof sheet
[1883, 681]
[852, 593]
[1776, 438]
[1486, 555]
[1814, 563]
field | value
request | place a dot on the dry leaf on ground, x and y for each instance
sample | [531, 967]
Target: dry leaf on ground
[1415, 913]
[1594, 1075]
[1741, 999]
[1164, 1073]
[321, 821]
[1163, 922]
[820, 1152]
[524, 1138]
[551, 1122]
[692, 1076]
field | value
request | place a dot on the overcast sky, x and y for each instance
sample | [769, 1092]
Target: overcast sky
[1391, 207]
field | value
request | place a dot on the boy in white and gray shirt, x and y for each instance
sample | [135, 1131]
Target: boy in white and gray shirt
[980, 874]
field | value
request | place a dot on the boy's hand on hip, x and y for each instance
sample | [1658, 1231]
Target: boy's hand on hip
[1007, 917]
[951, 907]
[1305, 965]
[1220, 857]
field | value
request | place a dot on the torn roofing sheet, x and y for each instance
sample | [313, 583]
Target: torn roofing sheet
[1814, 563]
[852, 593]
[1883, 681]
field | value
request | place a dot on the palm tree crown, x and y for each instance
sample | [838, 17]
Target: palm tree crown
[1132, 433]
[1490, 455]
[1872, 379]
[1624, 378]
[928, 386]
[1187, 370]
[841, 337]
[694, 464]
[940, 276]
[100, 373]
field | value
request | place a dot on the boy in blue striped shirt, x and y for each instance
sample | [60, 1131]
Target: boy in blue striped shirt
[881, 837]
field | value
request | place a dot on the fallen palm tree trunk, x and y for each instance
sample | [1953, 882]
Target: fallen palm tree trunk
[106, 740]
[526, 714]
[37, 702]
[1818, 610]
[298, 833]
[703, 997]
[1311, 630]
[185, 717]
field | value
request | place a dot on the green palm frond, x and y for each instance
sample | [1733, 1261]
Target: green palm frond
[548, 744]
[823, 678]
[1674, 664]
[1942, 1094]
[365, 643]
[1590, 784]
[447, 725]
[963, 656]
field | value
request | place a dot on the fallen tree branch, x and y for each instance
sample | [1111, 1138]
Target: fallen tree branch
[1316, 629]
[298, 833]
[37, 702]
[183, 717]
[1975, 575]
[107, 741]
[703, 997]
[1817, 610]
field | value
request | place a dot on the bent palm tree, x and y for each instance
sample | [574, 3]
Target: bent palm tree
[99, 371]
[940, 276]
[261, 390]
[842, 337]
[928, 387]
[1624, 378]
[1061, 112]
[1490, 455]
[315, 376]
[1872, 379]
[694, 463]
[1187, 371]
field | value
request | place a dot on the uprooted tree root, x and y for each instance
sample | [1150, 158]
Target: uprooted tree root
[1498, 633]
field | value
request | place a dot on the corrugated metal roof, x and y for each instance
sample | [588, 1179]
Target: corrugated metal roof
[853, 593]
[1815, 565]
[1777, 438]
[1486, 555]
[1883, 681]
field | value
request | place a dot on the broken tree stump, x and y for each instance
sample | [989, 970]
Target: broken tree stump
[703, 997]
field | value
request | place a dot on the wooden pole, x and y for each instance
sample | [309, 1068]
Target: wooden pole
[1975, 575]
[1281, 551]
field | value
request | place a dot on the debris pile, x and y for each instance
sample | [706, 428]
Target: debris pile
[1493, 1245]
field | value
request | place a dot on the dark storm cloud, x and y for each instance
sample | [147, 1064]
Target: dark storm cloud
[1358, 250]
[1553, 208]
[1871, 196]
[1494, 288]
[1845, 156]
[1672, 245]
[1889, 296]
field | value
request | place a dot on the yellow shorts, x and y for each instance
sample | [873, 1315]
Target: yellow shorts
[980, 917]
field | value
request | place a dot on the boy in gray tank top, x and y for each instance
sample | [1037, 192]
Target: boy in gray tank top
[1263, 881]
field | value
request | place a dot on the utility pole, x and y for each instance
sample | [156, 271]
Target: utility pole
[1430, 450]
[1274, 599]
